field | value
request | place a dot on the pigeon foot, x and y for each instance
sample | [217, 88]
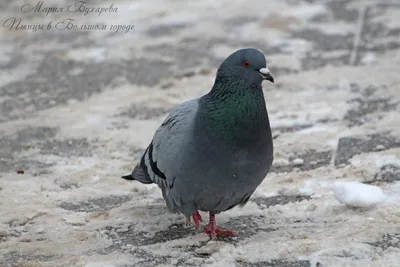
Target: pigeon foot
[196, 219]
[213, 231]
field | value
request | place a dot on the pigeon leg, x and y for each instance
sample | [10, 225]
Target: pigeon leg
[213, 231]
[196, 219]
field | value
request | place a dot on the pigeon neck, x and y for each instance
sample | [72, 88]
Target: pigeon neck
[239, 114]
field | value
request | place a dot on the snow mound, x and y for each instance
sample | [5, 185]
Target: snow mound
[358, 195]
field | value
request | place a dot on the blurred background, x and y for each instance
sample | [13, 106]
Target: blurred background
[84, 85]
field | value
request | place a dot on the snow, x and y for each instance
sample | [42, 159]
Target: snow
[298, 162]
[96, 54]
[306, 191]
[358, 195]
[369, 59]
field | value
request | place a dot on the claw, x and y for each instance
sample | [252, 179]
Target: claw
[213, 231]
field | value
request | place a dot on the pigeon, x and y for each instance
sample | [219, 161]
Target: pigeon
[211, 153]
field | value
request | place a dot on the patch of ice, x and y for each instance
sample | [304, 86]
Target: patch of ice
[369, 59]
[355, 194]
[298, 162]
[306, 191]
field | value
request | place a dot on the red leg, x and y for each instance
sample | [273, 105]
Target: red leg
[196, 219]
[213, 231]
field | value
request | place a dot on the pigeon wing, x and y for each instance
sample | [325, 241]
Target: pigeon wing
[163, 159]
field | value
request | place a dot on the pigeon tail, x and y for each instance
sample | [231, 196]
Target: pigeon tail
[128, 177]
[139, 174]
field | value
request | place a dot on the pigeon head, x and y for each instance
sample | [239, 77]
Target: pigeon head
[247, 64]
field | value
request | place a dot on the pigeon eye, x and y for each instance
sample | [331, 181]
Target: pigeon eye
[246, 64]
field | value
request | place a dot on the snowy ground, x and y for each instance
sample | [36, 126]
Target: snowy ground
[77, 108]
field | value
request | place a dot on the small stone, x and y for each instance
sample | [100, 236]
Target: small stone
[204, 71]
[379, 147]
[39, 230]
[239, 259]
[186, 74]
[313, 163]
[304, 236]
[167, 85]
[26, 240]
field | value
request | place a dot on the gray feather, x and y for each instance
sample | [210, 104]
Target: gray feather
[162, 161]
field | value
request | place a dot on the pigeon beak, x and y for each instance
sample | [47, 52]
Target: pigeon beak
[266, 74]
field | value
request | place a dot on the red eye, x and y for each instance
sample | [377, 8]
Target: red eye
[246, 64]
